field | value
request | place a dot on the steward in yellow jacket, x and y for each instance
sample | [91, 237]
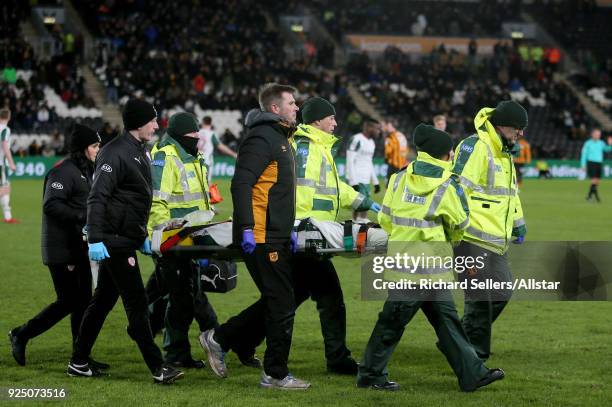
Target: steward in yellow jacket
[180, 187]
[484, 165]
[320, 194]
[424, 209]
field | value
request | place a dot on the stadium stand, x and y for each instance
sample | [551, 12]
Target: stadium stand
[588, 42]
[437, 18]
[447, 82]
[43, 95]
[211, 59]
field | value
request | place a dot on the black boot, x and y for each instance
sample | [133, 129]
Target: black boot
[492, 375]
[18, 346]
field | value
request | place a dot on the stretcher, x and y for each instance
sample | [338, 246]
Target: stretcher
[196, 238]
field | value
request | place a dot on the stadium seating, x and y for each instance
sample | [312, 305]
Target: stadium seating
[431, 18]
[415, 89]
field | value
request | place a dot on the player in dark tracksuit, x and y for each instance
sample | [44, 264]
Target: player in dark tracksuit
[263, 194]
[117, 214]
[66, 188]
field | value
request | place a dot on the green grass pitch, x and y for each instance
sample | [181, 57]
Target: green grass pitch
[553, 353]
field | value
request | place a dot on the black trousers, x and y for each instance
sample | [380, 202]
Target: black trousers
[483, 307]
[177, 278]
[314, 278]
[72, 283]
[119, 275]
[271, 271]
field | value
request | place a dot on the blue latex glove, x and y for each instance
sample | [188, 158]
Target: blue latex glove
[98, 252]
[248, 241]
[146, 247]
[375, 207]
[294, 242]
[203, 262]
[519, 240]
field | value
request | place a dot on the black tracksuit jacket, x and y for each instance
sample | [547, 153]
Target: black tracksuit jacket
[120, 198]
[66, 188]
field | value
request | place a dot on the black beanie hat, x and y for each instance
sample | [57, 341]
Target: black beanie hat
[137, 113]
[82, 137]
[181, 124]
[316, 108]
[434, 142]
[509, 113]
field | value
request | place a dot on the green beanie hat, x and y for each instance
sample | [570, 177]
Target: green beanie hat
[181, 124]
[316, 108]
[509, 113]
[436, 143]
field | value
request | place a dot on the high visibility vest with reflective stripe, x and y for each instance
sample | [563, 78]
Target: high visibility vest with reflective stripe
[320, 192]
[424, 209]
[409, 214]
[179, 183]
[486, 171]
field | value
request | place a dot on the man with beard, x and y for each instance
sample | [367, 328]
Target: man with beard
[263, 194]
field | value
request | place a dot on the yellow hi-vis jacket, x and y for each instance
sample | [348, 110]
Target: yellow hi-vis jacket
[320, 193]
[424, 203]
[179, 183]
[485, 169]
[424, 210]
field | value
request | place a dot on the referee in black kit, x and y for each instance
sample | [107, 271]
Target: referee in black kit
[117, 214]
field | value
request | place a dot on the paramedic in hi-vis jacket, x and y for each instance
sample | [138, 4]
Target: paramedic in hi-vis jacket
[320, 195]
[484, 165]
[180, 187]
[424, 211]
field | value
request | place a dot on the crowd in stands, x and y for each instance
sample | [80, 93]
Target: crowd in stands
[446, 82]
[430, 18]
[191, 55]
[24, 77]
[182, 54]
[588, 42]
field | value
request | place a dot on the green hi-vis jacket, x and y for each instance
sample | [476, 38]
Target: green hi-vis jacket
[179, 183]
[485, 168]
[424, 210]
[320, 193]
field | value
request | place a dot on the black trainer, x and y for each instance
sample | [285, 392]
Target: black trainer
[492, 375]
[166, 375]
[18, 347]
[189, 364]
[386, 386]
[346, 366]
[98, 365]
[250, 361]
[82, 370]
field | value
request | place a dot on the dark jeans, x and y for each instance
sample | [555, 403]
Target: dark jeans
[271, 271]
[483, 307]
[72, 283]
[177, 278]
[119, 275]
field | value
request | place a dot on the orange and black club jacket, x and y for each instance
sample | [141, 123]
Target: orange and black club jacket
[263, 187]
